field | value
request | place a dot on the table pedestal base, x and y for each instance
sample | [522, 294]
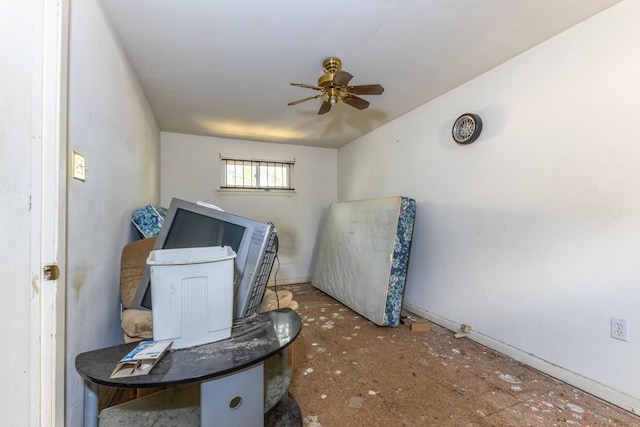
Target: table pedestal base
[234, 400]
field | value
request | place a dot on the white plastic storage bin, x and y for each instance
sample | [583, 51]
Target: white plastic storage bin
[192, 294]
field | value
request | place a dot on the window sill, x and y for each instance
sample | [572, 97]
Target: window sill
[255, 192]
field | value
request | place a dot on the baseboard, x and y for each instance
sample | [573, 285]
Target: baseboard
[290, 281]
[615, 397]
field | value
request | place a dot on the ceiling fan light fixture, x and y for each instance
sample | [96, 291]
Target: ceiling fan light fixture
[333, 96]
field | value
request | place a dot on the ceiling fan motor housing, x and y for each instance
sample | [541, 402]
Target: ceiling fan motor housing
[330, 66]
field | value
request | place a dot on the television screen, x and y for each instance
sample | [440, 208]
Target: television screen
[189, 225]
[190, 229]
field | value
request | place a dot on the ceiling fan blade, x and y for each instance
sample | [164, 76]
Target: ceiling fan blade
[342, 78]
[305, 99]
[355, 102]
[325, 107]
[306, 86]
[366, 89]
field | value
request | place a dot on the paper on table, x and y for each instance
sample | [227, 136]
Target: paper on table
[141, 359]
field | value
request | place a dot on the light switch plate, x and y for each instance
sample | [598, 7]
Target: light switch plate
[79, 170]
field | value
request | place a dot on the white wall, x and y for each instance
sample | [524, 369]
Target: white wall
[191, 171]
[111, 124]
[17, 44]
[531, 235]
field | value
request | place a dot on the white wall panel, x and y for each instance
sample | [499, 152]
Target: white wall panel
[111, 124]
[19, 43]
[191, 171]
[531, 234]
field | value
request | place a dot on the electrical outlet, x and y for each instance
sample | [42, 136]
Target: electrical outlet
[619, 329]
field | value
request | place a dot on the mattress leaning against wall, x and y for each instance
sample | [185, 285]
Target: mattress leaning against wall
[364, 253]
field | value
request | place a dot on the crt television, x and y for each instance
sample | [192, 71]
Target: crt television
[189, 225]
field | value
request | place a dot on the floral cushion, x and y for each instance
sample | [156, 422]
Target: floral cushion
[400, 261]
[148, 220]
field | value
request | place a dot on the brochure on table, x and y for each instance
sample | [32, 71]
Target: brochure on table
[141, 359]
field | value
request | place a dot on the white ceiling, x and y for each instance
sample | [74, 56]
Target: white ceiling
[223, 68]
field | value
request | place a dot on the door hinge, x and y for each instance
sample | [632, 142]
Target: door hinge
[51, 272]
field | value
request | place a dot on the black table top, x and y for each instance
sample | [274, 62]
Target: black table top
[252, 340]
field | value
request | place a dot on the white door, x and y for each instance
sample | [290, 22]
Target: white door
[33, 39]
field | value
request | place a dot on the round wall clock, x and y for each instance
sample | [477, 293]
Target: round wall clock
[467, 128]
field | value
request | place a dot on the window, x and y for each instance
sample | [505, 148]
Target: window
[257, 174]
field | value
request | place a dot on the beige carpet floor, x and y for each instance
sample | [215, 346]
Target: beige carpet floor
[351, 372]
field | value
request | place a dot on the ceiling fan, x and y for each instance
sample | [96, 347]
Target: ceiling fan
[334, 86]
